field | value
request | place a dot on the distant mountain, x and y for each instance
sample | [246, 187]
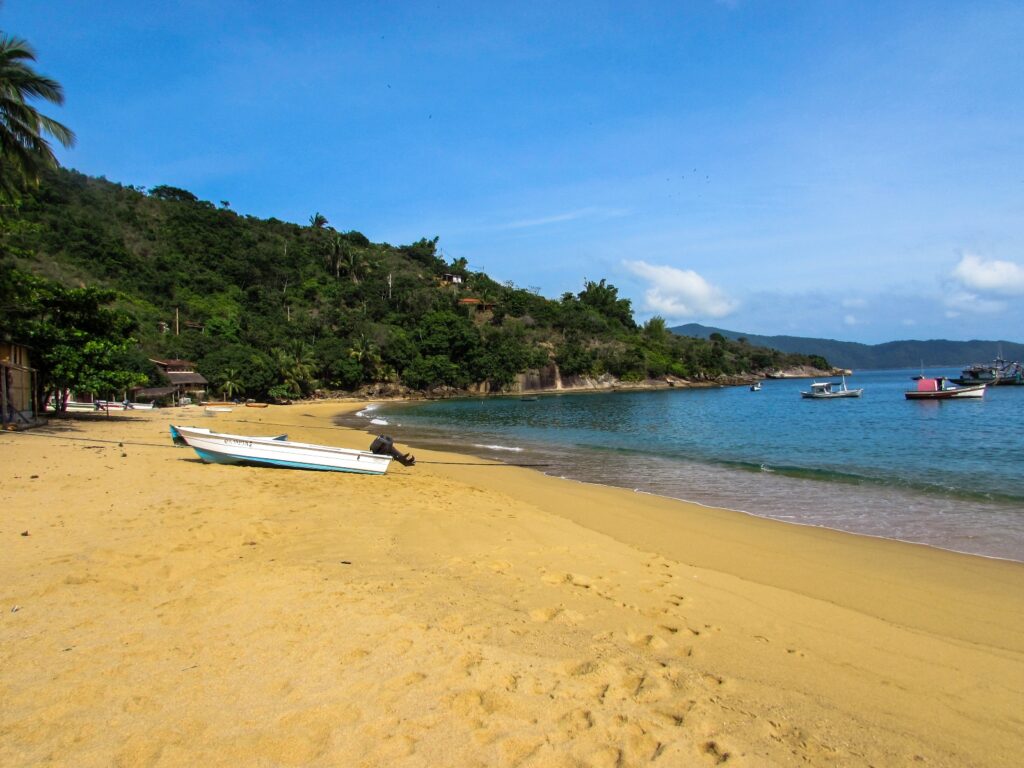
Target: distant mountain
[892, 354]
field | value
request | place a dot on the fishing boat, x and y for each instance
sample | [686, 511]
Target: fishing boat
[755, 387]
[939, 388]
[999, 372]
[177, 439]
[829, 390]
[220, 448]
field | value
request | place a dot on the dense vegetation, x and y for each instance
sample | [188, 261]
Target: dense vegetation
[892, 354]
[267, 307]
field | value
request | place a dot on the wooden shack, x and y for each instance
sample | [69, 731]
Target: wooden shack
[185, 380]
[17, 387]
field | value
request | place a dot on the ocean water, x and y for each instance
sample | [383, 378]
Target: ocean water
[946, 474]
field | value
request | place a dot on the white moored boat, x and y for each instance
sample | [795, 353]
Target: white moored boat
[221, 448]
[827, 390]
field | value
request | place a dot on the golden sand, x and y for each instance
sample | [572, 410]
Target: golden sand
[164, 612]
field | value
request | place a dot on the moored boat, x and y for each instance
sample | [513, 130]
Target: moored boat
[222, 448]
[939, 388]
[829, 390]
[999, 372]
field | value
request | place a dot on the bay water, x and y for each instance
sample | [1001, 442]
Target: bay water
[948, 474]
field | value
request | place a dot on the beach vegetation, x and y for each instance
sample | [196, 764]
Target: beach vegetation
[79, 342]
[283, 310]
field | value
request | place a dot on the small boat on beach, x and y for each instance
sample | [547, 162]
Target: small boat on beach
[221, 448]
[939, 388]
[829, 390]
[256, 405]
[177, 439]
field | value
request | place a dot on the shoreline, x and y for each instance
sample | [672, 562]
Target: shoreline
[172, 612]
[360, 419]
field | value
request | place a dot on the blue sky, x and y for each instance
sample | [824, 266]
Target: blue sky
[852, 170]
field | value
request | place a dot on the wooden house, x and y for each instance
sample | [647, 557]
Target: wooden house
[17, 386]
[184, 380]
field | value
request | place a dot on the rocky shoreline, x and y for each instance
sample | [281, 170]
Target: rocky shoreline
[548, 381]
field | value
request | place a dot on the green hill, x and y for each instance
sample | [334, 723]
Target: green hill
[284, 309]
[892, 354]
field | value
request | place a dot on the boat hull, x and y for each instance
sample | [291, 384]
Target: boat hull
[832, 395]
[177, 439]
[220, 448]
[962, 393]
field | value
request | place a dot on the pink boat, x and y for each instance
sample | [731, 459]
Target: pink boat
[939, 388]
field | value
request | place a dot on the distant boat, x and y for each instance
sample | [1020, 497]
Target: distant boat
[999, 372]
[755, 387]
[221, 448]
[255, 405]
[218, 409]
[829, 390]
[939, 389]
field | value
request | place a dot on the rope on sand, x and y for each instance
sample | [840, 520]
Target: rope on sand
[93, 440]
[164, 445]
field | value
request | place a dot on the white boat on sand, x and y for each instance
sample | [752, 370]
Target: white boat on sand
[828, 390]
[222, 448]
[177, 439]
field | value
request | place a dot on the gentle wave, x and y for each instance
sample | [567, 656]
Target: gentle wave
[875, 467]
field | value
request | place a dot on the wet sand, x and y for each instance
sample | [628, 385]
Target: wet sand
[164, 612]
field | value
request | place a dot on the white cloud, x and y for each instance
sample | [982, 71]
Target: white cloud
[854, 303]
[680, 294]
[849, 319]
[1004, 278]
[558, 218]
[971, 303]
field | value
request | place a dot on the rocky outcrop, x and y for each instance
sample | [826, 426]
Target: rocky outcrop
[549, 380]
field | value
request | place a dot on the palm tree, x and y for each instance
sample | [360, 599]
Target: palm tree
[229, 383]
[318, 220]
[365, 352]
[295, 367]
[24, 152]
[353, 263]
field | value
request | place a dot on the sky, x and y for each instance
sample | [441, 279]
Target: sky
[850, 170]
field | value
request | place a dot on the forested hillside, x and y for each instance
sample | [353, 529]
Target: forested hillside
[907, 353]
[270, 307]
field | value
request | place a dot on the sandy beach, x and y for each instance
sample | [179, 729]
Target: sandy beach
[158, 611]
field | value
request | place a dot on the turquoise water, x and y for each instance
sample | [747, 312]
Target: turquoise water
[948, 474]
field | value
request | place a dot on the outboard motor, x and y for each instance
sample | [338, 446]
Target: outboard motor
[384, 445]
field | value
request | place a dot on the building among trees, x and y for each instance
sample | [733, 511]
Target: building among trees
[17, 385]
